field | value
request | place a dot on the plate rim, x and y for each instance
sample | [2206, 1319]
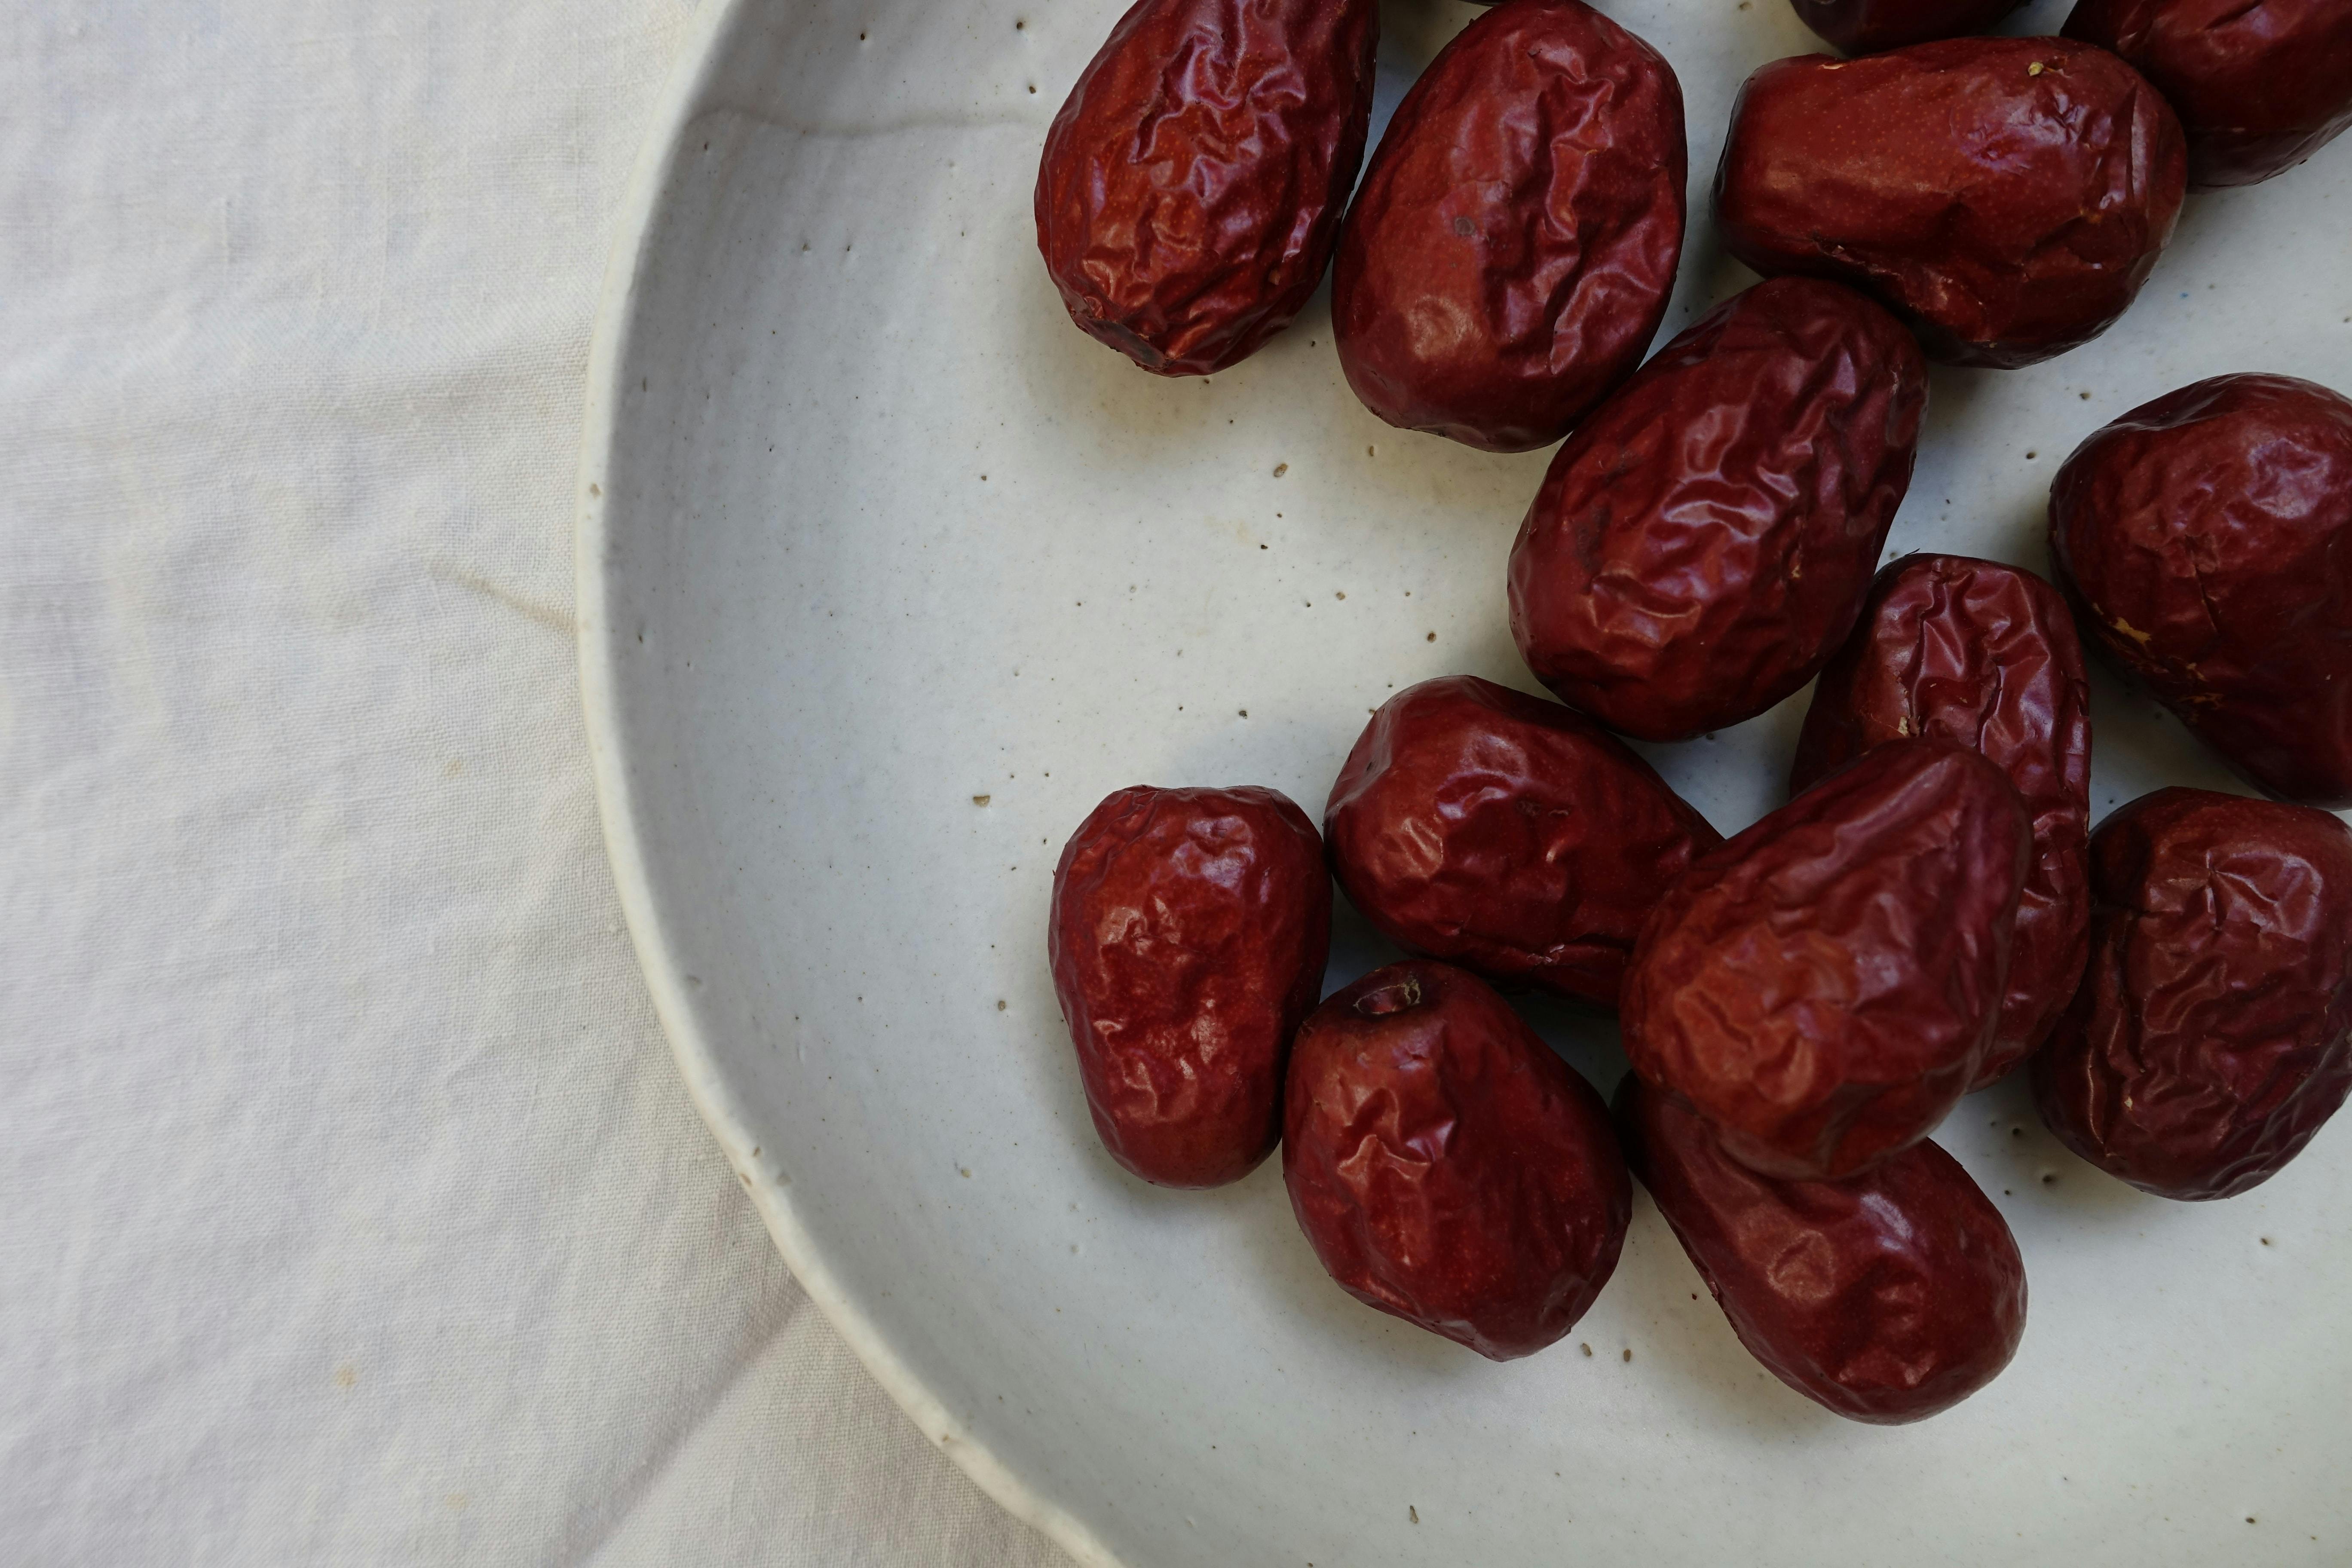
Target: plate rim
[644, 206]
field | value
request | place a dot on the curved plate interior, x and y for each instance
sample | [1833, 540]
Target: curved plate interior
[888, 574]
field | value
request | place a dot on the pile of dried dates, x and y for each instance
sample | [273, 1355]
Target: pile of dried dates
[1802, 1002]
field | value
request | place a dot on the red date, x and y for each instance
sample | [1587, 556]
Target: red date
[1824, 987]
[2008, 195]
[1984, 656]
[1888, 1299]
[1505, 834]
[1192, 189]
[2258, 88]
[1867, 26]
[1447, 1166]
[1513, 247]
[2212, 1036]
[2207, 539]
[1702, 543]
[1187, 936]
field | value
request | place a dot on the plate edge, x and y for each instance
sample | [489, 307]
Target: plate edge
[642, 206]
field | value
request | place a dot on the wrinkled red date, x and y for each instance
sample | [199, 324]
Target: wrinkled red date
[1824, 987]
[2008, 195]
[1984, 656]
[1514, 244]
[1867, 26]
[1192, 184]
[2207, 539]
[1505, 834]
[1188, 937]
[1447, 1166]
[2212, 1036]
[2258, 88]
[1701, 545]
[1888, 1298]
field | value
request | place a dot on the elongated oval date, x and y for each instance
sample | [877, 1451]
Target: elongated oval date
[1984, 656]
[2207, 539]
[1447, 1166]
[2258, 88]
[1513, 247]
[1702, 543]
[1192, 186]
[1508, 835]
[1824, 987]
[2213, 1037]
[1888, 1298]
[1867, 26]
[2008, 196]
[1187, 936]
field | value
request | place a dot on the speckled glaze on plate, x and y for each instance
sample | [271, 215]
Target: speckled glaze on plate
[887, 574]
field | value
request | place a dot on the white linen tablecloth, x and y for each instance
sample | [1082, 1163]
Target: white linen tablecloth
[350, 1208]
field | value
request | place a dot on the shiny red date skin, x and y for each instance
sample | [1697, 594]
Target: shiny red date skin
[1824, 987]
[1868, 26]
[1888, 1299]
[1513, 247]
[1445, 1166]
[2206, 539]
[1984, 656]
[1701, 545]
[1506, 835]
[1187, 936]
[2258, 88]
[2212, 1036]
[2008, 196]
[1192, 186]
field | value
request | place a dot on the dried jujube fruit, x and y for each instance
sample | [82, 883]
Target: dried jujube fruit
[2258, 87]
[1187, 936]
[1447, 1166]
[2207, 539]
[2212, 1036]
[1866, 26]
[2008, 196]
[1984, 656]
[1702, 543]
[1512, 248]
[1508, 835]
[1192, 186]
[1824, 987]
[1886, 1297]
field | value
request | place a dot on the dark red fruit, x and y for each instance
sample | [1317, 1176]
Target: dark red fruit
[1867, 26]
[1191, 188]
[1822, 988]
[2213, 1037]
[1187, 936]
[1447, 1166]
[1888, 1298]
[1984, 656]
[1505, 834]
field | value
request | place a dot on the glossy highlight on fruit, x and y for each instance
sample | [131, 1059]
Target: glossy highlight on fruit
[1867, 26]
[1824, 987]
[1187, 936]
[2206, 539]
[1888, 1298]
[2008, 196]
[1704, 541]
[2258, 88]
[1984, 656]
[1503, 833]
[1513, 246]
[1192, 184]
[2213, 1037]
[1447, 1166]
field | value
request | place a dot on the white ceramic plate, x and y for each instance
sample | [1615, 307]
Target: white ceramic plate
[887, 574]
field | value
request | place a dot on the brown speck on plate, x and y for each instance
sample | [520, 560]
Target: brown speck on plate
[1280, 469]
[979, 800]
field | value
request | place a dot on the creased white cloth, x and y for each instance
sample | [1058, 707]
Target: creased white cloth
[350, 1208]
